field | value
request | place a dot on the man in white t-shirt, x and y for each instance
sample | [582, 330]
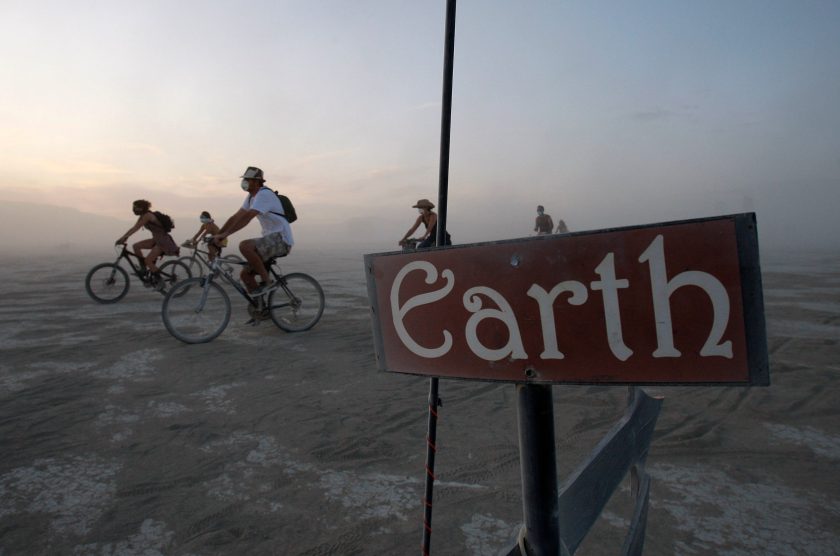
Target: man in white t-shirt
[276, 240]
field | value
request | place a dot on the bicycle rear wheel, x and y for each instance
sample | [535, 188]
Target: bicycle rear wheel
[194, 265]
[195, 311]
[297, 304]
[107, 283]
[172, 272]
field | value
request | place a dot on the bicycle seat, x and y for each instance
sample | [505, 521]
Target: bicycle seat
[270, 261]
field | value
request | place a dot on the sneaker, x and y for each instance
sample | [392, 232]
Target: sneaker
[156, 281]
[259, 313]
[256, 319]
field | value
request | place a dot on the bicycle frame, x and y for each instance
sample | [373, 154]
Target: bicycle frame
[138, 269]
[127, 255]
[216, 271]
[203, 256]
[411, 244]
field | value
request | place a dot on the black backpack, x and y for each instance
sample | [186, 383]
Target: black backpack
[288, 208]
[165, 221]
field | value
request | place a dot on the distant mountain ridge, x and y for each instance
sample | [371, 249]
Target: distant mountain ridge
[50, 228]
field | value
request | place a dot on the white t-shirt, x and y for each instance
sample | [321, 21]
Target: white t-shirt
[267, 203]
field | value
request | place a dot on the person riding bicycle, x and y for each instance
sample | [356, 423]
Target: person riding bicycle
[277, 240]
[428, 218]
[161, 243]
[208, 227]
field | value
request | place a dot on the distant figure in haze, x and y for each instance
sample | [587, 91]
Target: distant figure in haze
[561, 227]
[543, 224]
[161, 243]
[276, 240]
[208, 226]
[428, 218]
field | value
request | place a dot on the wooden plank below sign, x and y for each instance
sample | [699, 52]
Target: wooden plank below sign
[667, 303]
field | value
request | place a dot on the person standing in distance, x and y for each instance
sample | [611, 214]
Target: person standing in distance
[543, 224]
[276, 240]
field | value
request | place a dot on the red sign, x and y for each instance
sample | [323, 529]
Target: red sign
[671, 303]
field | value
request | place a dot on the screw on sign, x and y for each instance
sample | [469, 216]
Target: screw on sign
[667, 303]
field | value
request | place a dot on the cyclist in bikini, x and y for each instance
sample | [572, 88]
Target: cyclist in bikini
[161, 243]
[208, 227]
[276, 240]
[428, 218]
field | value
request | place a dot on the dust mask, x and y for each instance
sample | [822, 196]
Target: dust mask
[244, 185]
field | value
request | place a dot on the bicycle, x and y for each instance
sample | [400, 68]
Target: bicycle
[410, 244]
[108, 282]
[413, 244]
[197, 310]
[199, 261]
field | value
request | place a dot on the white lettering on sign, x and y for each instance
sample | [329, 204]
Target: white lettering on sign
[662, 290]
[612, 315]
[608, 285]
[504, 313]
[546, 302]
[422, 299]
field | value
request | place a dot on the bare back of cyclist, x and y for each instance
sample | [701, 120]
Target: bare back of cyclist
[161, 243]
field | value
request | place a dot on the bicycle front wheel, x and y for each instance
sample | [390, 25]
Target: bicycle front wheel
[196, 310]
[172, 272]
[297, 304]
[107, 283]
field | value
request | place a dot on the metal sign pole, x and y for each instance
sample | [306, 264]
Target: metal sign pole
[538, 462]
[446, 121]
[443, 191]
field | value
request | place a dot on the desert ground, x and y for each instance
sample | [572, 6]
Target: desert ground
[117, 439]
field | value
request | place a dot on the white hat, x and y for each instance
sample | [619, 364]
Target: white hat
[252, 172]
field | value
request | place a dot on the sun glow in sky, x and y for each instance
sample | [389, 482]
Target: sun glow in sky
[607, 113]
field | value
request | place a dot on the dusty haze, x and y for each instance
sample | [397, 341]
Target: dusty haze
[784, 222]
[608, 115]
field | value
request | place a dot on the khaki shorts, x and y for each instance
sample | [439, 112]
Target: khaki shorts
[271, 245]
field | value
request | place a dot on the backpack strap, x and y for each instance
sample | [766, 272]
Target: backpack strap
[278, 198]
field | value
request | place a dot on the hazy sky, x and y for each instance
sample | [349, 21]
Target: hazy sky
[607, 113]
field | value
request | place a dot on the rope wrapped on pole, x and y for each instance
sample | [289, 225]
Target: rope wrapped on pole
[431, 450]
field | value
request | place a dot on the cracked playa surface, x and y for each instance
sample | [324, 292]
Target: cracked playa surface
[118, 440]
